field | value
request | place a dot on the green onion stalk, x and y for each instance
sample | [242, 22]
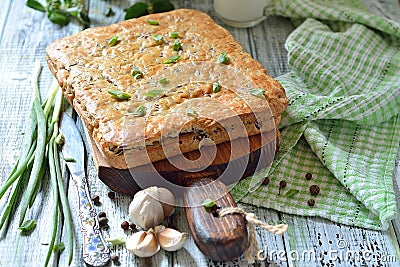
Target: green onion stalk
[38, 157]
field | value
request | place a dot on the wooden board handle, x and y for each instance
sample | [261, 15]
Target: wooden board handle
[220, 239]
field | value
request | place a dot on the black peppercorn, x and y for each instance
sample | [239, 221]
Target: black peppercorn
[314, 190]
[114, 258]
[125, 225]
[103, 221]
[102, 214]
[311, 202]
[266, 181]
[215, 213]
[111, 195]
[96, 199]
[132, 226]
[308, 176]
[282, 184]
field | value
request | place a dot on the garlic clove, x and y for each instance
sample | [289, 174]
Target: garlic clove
[149, 246]
[167, 201]
[143, 244]
[170, 239]
[132, 241]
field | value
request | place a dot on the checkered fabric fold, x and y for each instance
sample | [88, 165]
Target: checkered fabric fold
[342, 124]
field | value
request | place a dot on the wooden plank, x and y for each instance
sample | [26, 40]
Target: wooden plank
[267, 44]
[190, 254]
[25, 34]
[23, 40]
[264, 49]
[267, 241]
[317, 242]
[391, 10]
[117, 210]
[6, 6]
[387, 8]
[314, 236]
[395, 227]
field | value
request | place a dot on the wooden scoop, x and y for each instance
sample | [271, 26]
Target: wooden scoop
[220, 239]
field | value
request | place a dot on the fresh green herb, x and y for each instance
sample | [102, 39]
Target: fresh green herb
[42, 173]
[60, 139]
[58, 185]
[157, 37]
[136, 73]
[153, 22]
[116, 241]
[56, 197]
[172, 59]
[61, 12]
[59, 247]
[114, 40]
[163, 80]
[216, 87]
[27, 226]
[223, 58]
[74, 13]
[35, 5]
[173, 34]
[257, 92]
[140, 111]
[192, 113]
[209, 203]
[154, 93]
[58, 17]
[290, 193]
[70, 160]
[177, 45]
[40, 151]
[137, 10]
[38, 161]
[159, 6]
[143, 8]
[119, 94]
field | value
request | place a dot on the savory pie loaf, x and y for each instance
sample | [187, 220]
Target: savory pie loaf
[159, 85]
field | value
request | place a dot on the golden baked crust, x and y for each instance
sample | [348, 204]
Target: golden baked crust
[87, 67]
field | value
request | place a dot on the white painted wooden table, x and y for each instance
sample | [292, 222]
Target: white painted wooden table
[24, 35]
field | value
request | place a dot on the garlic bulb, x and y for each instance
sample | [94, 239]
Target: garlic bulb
[170, 239]
[143, 244]
[151, 206]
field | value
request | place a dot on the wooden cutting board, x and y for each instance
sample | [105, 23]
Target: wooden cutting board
[254, 153]
[220, 239]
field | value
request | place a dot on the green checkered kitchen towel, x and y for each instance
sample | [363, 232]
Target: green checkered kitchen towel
[342, 124]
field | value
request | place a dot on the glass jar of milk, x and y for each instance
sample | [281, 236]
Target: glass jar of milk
[241, 13]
